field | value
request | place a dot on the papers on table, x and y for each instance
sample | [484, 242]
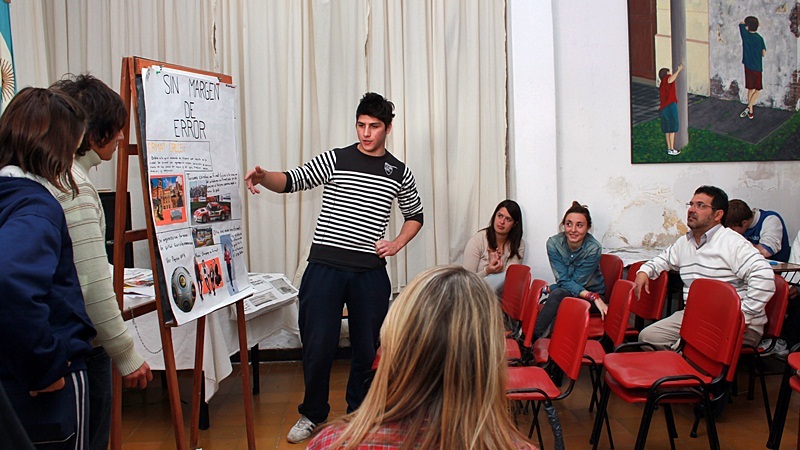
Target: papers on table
[138, 287]
[273, 290]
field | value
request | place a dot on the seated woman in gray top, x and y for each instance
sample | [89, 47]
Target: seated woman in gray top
[491, 250]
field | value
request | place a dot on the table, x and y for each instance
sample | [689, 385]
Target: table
[779, 267]
[221, 340]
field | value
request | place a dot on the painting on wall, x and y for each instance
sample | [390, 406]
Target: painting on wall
[735, 96]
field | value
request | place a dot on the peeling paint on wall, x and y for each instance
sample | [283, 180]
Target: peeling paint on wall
[719, 91]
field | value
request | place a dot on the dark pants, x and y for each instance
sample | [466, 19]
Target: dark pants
[548, 311]
[98, 369]
[54, 420]
[324, 291]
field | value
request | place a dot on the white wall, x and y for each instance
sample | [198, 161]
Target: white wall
[631, 205]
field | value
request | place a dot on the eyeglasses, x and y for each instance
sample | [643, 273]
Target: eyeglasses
[699, 205]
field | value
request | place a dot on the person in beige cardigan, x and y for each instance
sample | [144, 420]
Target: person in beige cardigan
[491, 250]
[106, 116]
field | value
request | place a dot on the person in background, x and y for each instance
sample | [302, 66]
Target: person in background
[106, 116]
[669, 107]
[347, 261]
[710, 251]
[426, 393]
[753, 52]
[574, 256]
[790, 334]
[45, 334]
[491, 250]
[765, 229]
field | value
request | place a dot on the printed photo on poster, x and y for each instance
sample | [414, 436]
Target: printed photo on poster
[166, 193]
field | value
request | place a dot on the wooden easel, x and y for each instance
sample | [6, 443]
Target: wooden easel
[131, 68]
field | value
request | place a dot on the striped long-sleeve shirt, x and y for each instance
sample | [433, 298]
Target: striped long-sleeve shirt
[356, 203]
[725, 256]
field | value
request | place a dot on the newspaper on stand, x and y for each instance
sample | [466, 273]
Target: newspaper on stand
[273, 290]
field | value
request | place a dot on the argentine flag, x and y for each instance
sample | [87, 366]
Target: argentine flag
[8, 86]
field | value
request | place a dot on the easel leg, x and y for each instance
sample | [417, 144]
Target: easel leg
[197, 383]
[248, 399]
[116, 410]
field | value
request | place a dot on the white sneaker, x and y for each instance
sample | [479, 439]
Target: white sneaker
[302, 430]
[673, 152]
[780, 348]
[745, 113]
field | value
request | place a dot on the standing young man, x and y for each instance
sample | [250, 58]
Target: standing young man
[347, 262]
[753, 52]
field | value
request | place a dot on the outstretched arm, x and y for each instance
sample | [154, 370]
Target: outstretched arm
[674, 76]
[274, 181]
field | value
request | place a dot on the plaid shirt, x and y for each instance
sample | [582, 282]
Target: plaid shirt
[388, 437]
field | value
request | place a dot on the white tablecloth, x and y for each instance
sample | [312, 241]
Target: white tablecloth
[221, 340]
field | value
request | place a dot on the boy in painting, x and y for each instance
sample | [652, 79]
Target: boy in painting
[669, 107]
[753, 51]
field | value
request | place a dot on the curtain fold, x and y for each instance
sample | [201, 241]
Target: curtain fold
[301, 67]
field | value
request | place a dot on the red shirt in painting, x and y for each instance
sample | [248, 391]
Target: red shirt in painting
[667, 92]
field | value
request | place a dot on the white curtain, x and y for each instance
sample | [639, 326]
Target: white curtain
[301, 67]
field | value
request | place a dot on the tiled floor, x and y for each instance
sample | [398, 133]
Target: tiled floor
[147, 422]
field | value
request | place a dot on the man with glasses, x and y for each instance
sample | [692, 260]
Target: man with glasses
[710, 251]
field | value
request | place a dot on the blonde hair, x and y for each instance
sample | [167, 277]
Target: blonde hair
[442, 370]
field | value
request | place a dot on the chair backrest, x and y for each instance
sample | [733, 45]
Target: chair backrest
[570, 333]
[619, 310]
[776, 308]
[611, 268]
[531, 311]
[712, 325]
[649, 306]
[515, 290]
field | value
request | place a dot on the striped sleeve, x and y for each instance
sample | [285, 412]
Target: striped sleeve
[408, 198]
[313, 173]
[759, 278]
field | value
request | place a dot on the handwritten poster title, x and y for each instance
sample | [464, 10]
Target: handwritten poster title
[189, 126]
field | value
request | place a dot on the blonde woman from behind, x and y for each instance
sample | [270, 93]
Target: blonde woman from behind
[441, 378]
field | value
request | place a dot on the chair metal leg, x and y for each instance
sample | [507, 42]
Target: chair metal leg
[711, 427]
[760, 372]
[781, 409]
[644, 426]
[751, 377]
[594, 376]
[696, 423]
[673, 433]
[608, 429]
[598, 420]
[535, 424]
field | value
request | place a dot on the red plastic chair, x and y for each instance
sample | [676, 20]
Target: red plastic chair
[614, 328]
[790, 382]
[776, 312]
[647, 306]
[611, 268]
[711, 337]
[615, 325]
[516, 348]
[532, 383]
[515, 290]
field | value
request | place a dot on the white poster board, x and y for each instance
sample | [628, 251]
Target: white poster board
[193, 162]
